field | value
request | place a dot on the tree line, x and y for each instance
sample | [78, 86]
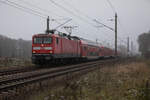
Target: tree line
[15, 48]
[144, 44]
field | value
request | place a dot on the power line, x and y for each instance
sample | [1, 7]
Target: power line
[77, 10]
[111, 5]
[63, 23]
[104, 25]
[72, 13]
[35, 6]
[90, 18]
[27, 10]
[114, 10]
[23, 9]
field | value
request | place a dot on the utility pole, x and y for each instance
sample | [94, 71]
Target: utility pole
[116, 34]
[116, 53]
[131, 48]
[128, 44]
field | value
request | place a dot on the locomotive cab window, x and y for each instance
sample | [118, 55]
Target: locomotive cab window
[37, 40]
[40, 40]
[47, 40]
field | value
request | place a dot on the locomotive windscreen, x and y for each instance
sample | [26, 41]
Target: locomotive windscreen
[42, 40]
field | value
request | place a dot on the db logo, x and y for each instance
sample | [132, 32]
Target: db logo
[42, 48]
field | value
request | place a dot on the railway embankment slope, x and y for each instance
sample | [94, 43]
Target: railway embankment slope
[121, 81]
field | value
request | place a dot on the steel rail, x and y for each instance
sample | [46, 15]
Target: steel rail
[9, 71]
[39, 75]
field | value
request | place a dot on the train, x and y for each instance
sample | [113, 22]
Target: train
[55, 47]
[59, 47]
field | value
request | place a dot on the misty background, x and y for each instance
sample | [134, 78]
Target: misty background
[17, 25]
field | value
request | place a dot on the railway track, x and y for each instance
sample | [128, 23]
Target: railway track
[16, 70]
[11, 71]
[11, 85]
[20, 79]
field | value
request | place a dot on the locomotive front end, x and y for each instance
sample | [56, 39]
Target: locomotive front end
[42, 48]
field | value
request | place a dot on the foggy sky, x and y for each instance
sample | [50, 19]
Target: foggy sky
[134, 18]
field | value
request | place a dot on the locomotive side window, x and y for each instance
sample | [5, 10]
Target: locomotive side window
[57, 40]
[84, 48]
[99, 49]
[37, 40]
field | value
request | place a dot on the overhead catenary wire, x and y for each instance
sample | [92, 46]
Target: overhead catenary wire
[81, 13]
[73, 13]
[87, 16]
[42, 9]
[114, 10]
[23, 9]
[104, 25]
[111, 5]
[70, 12]
[119, 21]
[77, 10]
[26, 9]
[63, 23]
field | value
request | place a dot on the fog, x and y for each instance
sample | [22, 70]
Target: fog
[133, 18]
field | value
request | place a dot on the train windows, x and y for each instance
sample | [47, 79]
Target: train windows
[40, 40]
[57, 40]
[37, 40]
[85, 48]
[47, 40]
[99, 49]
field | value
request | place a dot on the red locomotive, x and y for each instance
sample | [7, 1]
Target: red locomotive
[52, 47]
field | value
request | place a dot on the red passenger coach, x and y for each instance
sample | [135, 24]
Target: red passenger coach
[51, 47]
[89, 49]
[106, 52]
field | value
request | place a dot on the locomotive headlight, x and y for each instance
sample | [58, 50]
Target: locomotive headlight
[48, 48]
[36, 48]
[50, 51]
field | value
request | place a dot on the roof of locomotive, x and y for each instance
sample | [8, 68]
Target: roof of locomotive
[43, 34]
[62, 35]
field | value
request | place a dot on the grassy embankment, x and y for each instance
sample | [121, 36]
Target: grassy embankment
[128, 81]
[14, 62]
